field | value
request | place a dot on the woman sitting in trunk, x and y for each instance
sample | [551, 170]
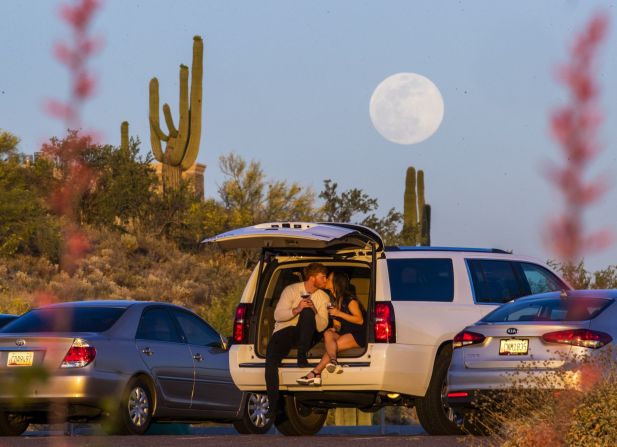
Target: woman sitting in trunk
[348, 331]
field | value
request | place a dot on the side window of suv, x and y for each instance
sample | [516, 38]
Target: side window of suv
[421, 279]
[541, 280]
[494, 281]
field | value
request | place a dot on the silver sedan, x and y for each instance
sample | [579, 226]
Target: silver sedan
[124, 363]
[535, 336]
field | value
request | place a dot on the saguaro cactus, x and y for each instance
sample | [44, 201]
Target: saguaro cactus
[416, 212]
[124, 136]
[182, 142]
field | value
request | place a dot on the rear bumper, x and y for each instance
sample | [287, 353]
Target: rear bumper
[73, 388]
[393, 368]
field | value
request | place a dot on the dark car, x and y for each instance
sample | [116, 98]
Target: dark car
[124, 363]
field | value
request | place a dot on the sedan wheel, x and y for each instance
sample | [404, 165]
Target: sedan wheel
[139, 407]
[12, 424]
[134, 413]
[255, 418]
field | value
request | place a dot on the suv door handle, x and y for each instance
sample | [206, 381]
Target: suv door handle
[198, 357]
[147, 351]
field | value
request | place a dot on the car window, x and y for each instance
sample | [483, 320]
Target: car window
[66, 319]
[197, 332]
[540, 280]
[549, 309]
[494, 281]
[421, 279]
[156, 324]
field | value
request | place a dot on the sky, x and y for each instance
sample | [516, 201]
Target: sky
[288, 84]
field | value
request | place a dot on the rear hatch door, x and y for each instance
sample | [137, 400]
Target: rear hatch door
[288, 236]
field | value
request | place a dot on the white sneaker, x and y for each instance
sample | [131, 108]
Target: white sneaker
[306, 380]
[334, 367]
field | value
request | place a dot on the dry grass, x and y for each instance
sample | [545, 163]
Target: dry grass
[129, 267]
[573, 406]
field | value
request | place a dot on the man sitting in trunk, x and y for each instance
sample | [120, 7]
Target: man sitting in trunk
[300, 312]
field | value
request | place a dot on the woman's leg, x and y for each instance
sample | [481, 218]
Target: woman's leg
[345, 342]
[330, 339]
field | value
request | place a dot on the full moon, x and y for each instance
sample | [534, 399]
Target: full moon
[406, 108]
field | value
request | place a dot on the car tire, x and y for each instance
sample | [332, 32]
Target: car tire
[254, 419]
[12, 424]
[134, 414]
[435, 416]
[298, 419]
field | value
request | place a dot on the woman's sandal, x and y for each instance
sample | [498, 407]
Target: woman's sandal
[334, 367]
[312, 378]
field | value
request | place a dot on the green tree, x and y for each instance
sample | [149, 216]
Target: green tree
[356, 206]
[26, 226]
[249, 197]
[123, 190]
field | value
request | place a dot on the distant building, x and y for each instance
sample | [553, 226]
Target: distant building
[194, 175]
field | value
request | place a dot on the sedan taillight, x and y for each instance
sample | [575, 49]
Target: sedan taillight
[466, 338]
[241, 323]
[80, 354]
[579, 337]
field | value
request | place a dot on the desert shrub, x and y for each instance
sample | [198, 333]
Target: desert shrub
[572, 406]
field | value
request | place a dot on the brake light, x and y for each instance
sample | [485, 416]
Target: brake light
[79, 355]
[241, 323]
[458, 394]
[385, 329]
[579, 337]
[465, 338]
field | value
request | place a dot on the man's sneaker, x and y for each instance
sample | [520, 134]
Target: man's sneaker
[334, 367]
[315, 379]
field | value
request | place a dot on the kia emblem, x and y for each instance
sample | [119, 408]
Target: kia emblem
[20, 342]
[512, 330]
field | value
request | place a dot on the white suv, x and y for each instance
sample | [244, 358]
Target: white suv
[417, 299]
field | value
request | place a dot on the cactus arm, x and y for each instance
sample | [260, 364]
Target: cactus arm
[196, 97]
[426, 226]
[421, 203]
[157, 150]
[154, 111]
[409, 210]
[173, 132]
[124, 136]
[182, 135]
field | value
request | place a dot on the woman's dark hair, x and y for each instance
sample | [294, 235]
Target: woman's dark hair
[343, 290]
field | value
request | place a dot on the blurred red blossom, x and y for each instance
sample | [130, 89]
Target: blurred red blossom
[68, 153]
[575, 127]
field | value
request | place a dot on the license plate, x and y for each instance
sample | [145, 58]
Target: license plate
[20, 359]
[513, 346]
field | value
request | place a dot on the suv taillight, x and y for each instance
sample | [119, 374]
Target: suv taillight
[465, 338]
[79, 355]
[241, 323]
[385, 329]
[579, 337]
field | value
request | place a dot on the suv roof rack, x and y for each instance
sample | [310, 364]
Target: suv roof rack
[464, 249]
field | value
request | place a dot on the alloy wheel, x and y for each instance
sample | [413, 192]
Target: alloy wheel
[257, 409]
[138, 406]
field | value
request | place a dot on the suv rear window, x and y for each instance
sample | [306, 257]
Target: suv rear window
[549, 309]
[421, 279]
[66, 319]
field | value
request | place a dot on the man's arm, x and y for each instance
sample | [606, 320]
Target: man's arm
[321, 312]
[284, 308]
